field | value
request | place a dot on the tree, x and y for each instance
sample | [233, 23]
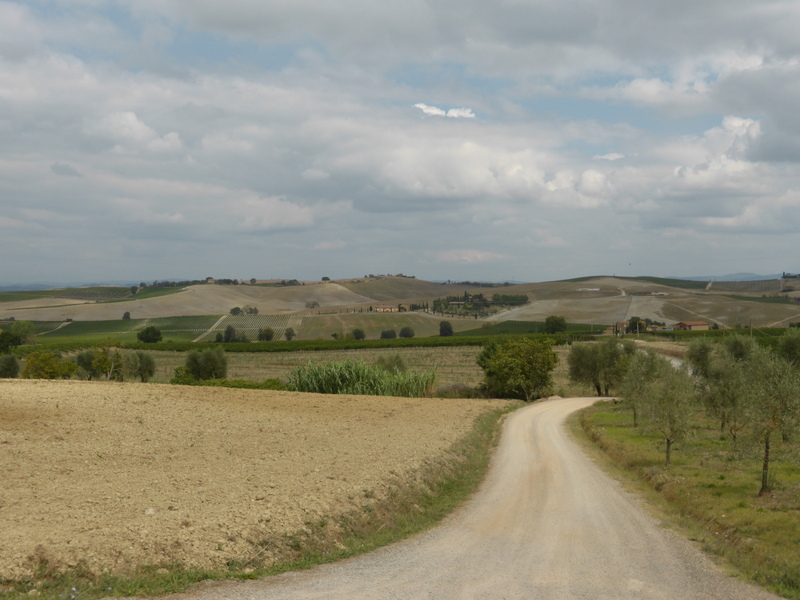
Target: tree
[312, 304]
[388, 334]
[8, 341]
[250, 310]
[601, 365]
[252, 281]
[326, 279]
[266, 334]
[445, 329]
[134, 289]
[789, 346]
[583, 366]
[668, 403]
[207, 364]
[406, 332]
[48, 365]
[229, 335]
[518, 368]
[85, 361]
[149, 335]
[25, 331]
[358, 334]
[555, 324]
[773, 403]
[643, 368]
[289, 334]
[236, 311]
[126, 316]
[9, 367]
[140, 364]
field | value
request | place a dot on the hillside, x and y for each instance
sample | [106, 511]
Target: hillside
[586, 300]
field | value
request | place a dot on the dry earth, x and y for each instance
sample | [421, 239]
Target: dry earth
[117, 474]
[194, 300]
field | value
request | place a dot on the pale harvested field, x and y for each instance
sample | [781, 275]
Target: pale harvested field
[195, 300]
[116, 475]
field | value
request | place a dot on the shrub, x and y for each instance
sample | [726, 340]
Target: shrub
[182, 376]
[518, 368]
[406, 332]
[48, 365]
[356, 377]
[9, 367]
[289, 334]
[8, 340]
[388, 334]
[358, 334]
[266, 334]
[208, 364]
[393, 363]
[149, 335]
[445, 329]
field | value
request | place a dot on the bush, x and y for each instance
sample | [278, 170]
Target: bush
[388, 334]
[182, 376]
[266, 334]
[8, 340]
[48, 365]
[9, 367]
[289, 334]
[518, 368]
[445, 329]
[356, 377]
[406, 332]
[208, 364]
[358, 334]
[149, 335]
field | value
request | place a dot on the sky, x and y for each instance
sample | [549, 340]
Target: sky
[491, 140]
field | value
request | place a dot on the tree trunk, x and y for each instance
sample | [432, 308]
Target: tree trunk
[765, 468]
[597, 387]
[635, 417]
[669, 450]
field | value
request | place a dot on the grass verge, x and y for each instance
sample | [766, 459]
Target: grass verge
[709, 493]
[405, 507]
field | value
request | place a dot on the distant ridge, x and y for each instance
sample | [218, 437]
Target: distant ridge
[732, 277]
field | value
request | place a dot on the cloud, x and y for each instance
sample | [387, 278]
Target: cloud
[268, 214]
[469, 257]
[65, 170]
[454, 113]
[334, 245]
[610, 156]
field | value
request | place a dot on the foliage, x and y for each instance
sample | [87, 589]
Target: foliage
[126, 316]
[601, 365]
[140, 365]
[266, 334]
[208, 364]
[356, 377]
[149, 335]
[230, 336]
[25, 331]
[393, 363]
[445, 329]
[553, 324]
[643, 368]
[388, 334]
[8, 340]
[289, 334]
[183, 376]
[668, 403]
[9, 366]
[518, 368]
[236, 311]
[406, 332]
[789, 346]
[48, 365]
[358, 334]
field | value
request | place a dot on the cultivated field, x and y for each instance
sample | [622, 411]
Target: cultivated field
[112, 475]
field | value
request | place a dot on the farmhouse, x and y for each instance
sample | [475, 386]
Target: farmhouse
[692, 326]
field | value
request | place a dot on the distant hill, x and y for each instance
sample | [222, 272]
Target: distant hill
[734, 277]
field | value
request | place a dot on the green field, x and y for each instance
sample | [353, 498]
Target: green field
[522, 327]
[714, 488]
[172, 328]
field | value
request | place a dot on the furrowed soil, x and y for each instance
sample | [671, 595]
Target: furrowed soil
[115, 475]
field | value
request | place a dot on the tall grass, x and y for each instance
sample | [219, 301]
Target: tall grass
[357, 377]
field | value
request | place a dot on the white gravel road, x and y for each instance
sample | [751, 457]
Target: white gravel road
[547, 523]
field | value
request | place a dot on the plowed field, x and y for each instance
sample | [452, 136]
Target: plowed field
[113, 475]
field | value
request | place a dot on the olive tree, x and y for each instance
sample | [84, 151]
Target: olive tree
[668, 403]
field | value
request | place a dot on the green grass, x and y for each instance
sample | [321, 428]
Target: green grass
[408, 507]
[177, 329]
[713, 490]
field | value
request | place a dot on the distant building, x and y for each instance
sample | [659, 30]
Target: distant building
[692, 326]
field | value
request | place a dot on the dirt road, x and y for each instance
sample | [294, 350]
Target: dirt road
[546, 524]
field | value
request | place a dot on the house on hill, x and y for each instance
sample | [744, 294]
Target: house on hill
[692, 326]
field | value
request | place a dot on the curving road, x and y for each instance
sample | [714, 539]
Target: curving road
[546, 524]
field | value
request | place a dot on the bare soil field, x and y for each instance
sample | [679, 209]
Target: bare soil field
[114, 475]
[194, 300]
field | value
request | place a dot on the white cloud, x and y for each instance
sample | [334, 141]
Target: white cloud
[334, 245]
[610, 156]
[454, 113]
[266, 214]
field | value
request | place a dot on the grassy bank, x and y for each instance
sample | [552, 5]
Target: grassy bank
[711, 491]
[404, 508]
